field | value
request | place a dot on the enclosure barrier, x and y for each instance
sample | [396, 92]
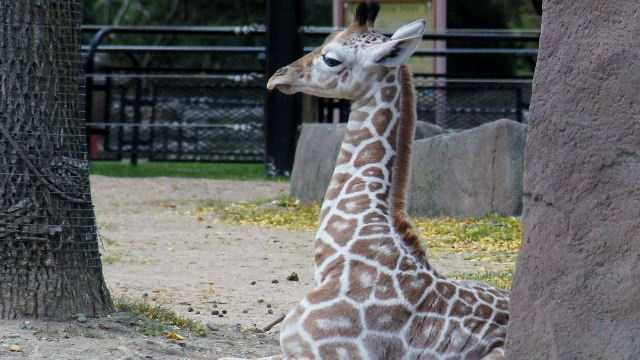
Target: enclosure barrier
[201, 114]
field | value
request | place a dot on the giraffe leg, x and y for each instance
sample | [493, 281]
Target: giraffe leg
[495, 354]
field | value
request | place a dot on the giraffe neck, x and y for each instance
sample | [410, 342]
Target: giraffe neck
[367, 193]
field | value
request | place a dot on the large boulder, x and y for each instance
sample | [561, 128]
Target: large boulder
[316, 155]
[576, 293]
[470, 173]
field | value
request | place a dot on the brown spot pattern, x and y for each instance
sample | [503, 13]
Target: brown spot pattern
[322, 251]
[340, 319]
[336, 185]
[355, 204]
[381, 120]
[384, 348]
[433, 303]
[483, 311]
[362, 279]
[425, 331]
[374, 230]
[386, 317]
[460, 309]
[356, 185]
[374, 217]
[388, 93]
[384, 288]
[344, 157]
[340, 229]
[355, 137]
[445, 289]
[338, 349]
[382, 250]
[374, 172]
[371, 153]
[358, 116]
[414, 286]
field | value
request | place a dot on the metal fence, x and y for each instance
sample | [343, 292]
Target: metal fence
[455, 105]
[180, 118]
[218, 115]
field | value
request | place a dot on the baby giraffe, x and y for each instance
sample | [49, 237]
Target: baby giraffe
[376, 296]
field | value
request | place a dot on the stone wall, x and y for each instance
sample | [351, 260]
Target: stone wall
[576, 292]
[316, 155]
[470, 173]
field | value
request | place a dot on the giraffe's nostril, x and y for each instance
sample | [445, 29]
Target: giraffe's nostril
[282, 71]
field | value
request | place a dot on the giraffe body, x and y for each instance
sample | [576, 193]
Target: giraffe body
[376, 295]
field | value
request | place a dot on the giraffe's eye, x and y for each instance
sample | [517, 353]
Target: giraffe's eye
[331, 62]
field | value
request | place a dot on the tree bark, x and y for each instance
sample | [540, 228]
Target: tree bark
[576, 291]
[49, 258]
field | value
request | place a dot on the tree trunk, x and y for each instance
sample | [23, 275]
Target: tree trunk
[577, 286]
[49, 258]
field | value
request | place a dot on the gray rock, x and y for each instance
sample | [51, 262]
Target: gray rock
[470, 173]
[316, 154]
[577, 284]
[425, 130]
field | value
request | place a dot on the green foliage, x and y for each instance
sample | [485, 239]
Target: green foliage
[154, 320]
[500, 280]
[492, 238]
[222, 171]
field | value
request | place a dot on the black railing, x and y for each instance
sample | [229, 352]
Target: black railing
[210, 114]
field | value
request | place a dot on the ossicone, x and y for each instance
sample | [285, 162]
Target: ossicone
[366, 13]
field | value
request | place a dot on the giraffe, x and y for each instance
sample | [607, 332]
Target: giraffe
[376, 296]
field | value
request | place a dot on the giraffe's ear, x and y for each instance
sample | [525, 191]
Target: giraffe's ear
[399, 49]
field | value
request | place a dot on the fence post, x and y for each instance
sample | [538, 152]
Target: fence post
[282, 112]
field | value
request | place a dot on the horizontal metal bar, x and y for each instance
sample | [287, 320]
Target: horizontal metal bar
[185, 126]
[237, 78]
[469, 35]
[176, 49]
[255, 29]
[179, 30]
[261, 49]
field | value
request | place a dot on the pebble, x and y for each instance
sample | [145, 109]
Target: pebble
[81, 318]
[224, 312]
[253, 283]
[260, 301]
[293, 277]
[215, 312]
[245, 311]
[190, 309]
[268, 306]
[275, 281]
[270, 311]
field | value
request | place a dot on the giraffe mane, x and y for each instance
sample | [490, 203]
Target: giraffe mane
[401, 171]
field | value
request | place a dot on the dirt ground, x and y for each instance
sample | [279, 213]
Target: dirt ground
[231, 278]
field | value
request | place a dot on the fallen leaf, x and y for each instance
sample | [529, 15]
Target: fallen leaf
[174, 336]
[15, 348]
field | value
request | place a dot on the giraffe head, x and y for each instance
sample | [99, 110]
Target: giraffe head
[350, 61]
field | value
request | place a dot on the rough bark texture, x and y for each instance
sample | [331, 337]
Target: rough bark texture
[49, 259]
[577, 285]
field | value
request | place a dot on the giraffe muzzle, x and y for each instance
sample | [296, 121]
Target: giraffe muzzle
[280, 80]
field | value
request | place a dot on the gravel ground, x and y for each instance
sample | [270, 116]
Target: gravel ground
[232, 278]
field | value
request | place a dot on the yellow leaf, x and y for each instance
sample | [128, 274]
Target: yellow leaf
[15, 348]
[174, 336]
